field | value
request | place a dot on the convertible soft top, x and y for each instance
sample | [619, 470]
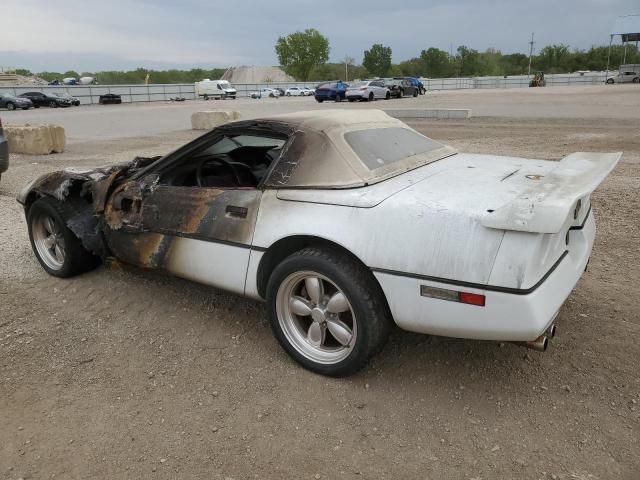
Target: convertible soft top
[350, 148]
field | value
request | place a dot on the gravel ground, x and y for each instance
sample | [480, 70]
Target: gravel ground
[123, 373]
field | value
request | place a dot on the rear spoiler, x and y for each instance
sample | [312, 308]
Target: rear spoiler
[544, 208]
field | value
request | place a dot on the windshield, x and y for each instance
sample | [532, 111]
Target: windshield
[378, 147]
[225, 84]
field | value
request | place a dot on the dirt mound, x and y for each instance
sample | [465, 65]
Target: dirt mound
[253, 74]
[16, 80]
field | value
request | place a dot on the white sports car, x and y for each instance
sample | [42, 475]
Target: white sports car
[345, 222]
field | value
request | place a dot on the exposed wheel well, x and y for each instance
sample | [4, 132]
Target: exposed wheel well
[285, 247]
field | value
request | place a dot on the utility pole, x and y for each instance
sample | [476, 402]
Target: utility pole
[530, 53]
[347, 61]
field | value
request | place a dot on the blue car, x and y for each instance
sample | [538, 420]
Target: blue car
[336, 91]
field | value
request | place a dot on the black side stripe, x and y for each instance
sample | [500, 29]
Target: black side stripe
[479, 286]
[203, 238]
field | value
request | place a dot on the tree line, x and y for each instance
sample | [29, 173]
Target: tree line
[304, 55]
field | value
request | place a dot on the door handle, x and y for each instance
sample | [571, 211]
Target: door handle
[238, 212]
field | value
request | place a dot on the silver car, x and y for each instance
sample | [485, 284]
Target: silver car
[368, 90]
[624, 77]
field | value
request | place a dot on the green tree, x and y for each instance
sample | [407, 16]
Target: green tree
[436, 62]
[467, 60]
[70, 73]
[300, 52]
[377, 60]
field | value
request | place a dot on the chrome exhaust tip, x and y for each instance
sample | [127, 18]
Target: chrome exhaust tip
[540, 344]
[551, 331]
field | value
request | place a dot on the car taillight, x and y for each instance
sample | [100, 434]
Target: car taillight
[453, 295]
[471, 298]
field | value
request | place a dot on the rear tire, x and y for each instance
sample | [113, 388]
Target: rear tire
[319, 100]
[370, 99]
[610, 81]
[348, 320]
[58, 250]
[388, 96]
[415, 93]
[11, 106]
[53, 105]
[636, 80]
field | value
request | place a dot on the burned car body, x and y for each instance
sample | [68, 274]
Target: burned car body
[345, 222]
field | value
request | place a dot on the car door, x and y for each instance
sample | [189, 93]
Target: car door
[378, 90]
[202, 234]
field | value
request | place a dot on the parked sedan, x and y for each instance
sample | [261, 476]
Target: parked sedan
[265, 92]
[11, 102]
[4, 151]
[41, 99]
[74, 101]
[624, 77]
[401, 87]
[368, 90]
[336, 91]
[109, 98]
[295, 92]
[289, 209]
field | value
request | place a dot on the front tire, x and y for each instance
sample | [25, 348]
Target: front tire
[370, 99]
[610, 81]
[56, 247]
[327, 311]
[53, 105]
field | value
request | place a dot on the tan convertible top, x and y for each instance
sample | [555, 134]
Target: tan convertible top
[323, 154]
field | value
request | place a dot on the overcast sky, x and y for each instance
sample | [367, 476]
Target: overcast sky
[95, 35]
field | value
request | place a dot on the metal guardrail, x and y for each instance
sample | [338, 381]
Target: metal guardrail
[89, 94]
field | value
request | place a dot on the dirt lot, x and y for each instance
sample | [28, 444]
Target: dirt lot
[122, 373]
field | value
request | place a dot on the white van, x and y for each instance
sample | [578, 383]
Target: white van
[215, 89]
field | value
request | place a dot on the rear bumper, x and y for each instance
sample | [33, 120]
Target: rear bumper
[505, 316]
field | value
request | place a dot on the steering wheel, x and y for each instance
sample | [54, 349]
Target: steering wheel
[220, 161]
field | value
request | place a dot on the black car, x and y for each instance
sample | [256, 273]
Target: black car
[4, 152]
[74, 101]
[11, 102]
[40, 99]
[109, 98]
[400, 87]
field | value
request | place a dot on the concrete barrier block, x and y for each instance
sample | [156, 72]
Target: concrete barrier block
[35, 139]
[211, 119]
[425, 113]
